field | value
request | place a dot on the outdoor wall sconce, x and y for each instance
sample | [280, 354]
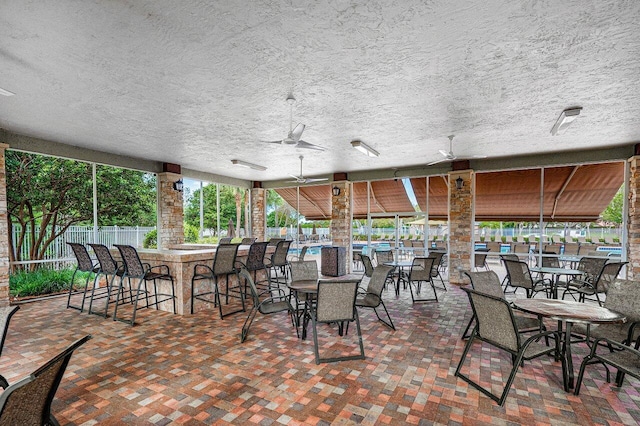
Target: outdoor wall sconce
[459, 183]
[336, 191]
[178, 185]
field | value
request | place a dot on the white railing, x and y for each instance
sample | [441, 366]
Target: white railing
[59, 253]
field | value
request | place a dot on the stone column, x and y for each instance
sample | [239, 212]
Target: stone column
[259, 213]
[461, 222]
[341, 219]
[170, 211]
[4, 230]
[633, 220]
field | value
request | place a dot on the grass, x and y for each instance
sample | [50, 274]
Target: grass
[43, 281]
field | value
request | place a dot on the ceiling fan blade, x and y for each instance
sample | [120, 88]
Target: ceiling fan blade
[278, 142]
[297, 132]
[297, 178]
[438, 161]
[303, 144]
[443, 152]
[309, 180]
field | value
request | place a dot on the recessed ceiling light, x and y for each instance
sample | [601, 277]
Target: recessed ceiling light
[364, 148]
[248, 165]
[5, 92]
[565, 119]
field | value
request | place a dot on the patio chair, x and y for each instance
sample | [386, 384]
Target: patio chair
[505, 282]
[421, 273]
[488, 282]
[496, 325]
[622, 357]
[224, 264]
[368, 266]
[336, 303]
[225, 240]
[372, 296]
[583, 288]
[6, 312]
[136, 270]
[28, 401]
[591, 268]
[109, 268]
[247, 241]
[270, 305]
[255, 263]
[305, 270]
[622, 296]
[278, 264]
[520, 277]
[480, 259]
[438, 257]
[84, 264]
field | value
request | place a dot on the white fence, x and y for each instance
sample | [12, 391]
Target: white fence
[60, 254]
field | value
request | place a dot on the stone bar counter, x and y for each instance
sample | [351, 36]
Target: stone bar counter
[181, 264]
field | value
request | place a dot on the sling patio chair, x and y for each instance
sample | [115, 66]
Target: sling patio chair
[598, 285]
[520, 277]
[278, 264]
[84, 264]
[143, 273]
[266, 306]
[336, 303]
[419, 273]
[496, 326]
[372, 296]
[224, 265]
[625, 359]
[110, 269]
[28, 401]
[439, 257]
[6, 313]
[488, 282]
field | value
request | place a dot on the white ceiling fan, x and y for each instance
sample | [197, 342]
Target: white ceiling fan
[293, 138]
[450, 156]
[301, 179]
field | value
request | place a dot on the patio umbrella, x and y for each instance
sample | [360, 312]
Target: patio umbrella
[231, 230]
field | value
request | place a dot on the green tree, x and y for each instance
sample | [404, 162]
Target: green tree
[47, 195]
[613, 212]
[227, 207]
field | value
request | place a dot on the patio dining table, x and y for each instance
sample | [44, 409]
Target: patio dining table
[568, 312]
[399, 265]
[556, 273]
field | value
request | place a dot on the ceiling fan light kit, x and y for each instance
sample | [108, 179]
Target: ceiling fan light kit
[248, 165]
[565, 119]
[364, 148]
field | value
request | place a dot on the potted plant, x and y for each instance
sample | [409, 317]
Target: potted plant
[504, 239]
[482, 237]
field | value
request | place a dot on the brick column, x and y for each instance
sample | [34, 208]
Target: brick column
[461, 218]
[4, 230]
[341, 219]
[633, 220]
[170, 211]
[259, 213]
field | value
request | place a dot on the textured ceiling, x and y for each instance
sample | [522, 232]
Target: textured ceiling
[199, 83]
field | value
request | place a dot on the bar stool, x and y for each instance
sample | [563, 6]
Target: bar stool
[135, 269]
[109, 268]
[224, 264]
[85, 264]
[278, 264]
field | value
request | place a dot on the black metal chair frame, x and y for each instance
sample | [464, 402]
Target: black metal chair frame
[372, 296]
[12, 400]
[221, 266]
[608, 272]
[143, 272]
[532, 286]
[318, 315]
[255, 263]
[266, 306]
[7, 314]
[480, 259]
[518, 353]
[616, 357]
[421, 271]
[506, 282]
[84, 264]
[108, 267]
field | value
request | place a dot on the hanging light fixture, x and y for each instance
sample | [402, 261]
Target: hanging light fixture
[178, 185]
[459, 183]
